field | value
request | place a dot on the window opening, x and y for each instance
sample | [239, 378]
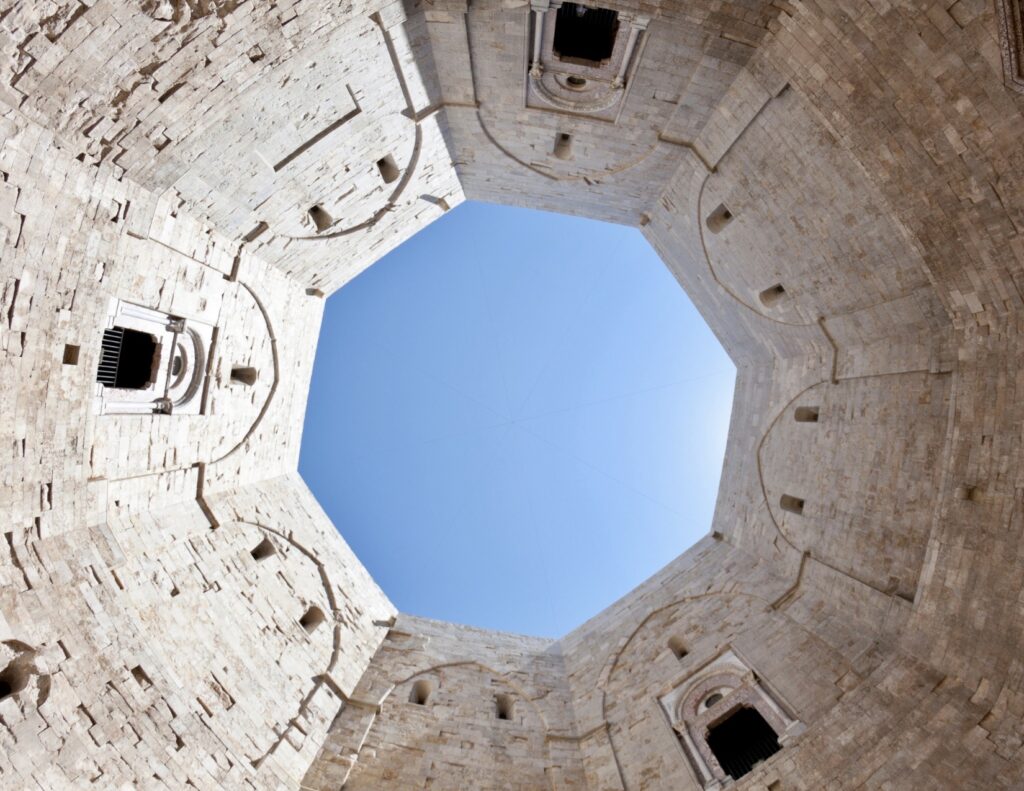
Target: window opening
[243, 376]
[126, 359]
[321, 219]
[420, 693]
[585, 34]
[772, 295]
[563, 145]
[806, 414]
[388, 169]
[795, 505]
[719, 218]
[503, 707]
[263, 550]
[741, 741]
[312, 619]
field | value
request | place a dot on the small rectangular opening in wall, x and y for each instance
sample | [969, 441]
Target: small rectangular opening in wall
[314, 292]
[678, 648]
[719, 218]
[140, 676]
[770, 296]
[563, 145]
[71, 354]
[263, 550]
[806, 414]
[503, 707]
[795, 505]
[388, 169]
[321, 219]
[243, 375]
[312, 618]
[420, 692]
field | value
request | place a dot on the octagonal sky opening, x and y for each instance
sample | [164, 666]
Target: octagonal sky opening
[516, 417]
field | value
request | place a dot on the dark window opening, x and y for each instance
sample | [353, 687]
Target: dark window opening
[420, 693]
[70, 354]
[576, 82]
[771, 296]
[585, 34]
[503, 707]
[263, 550]
[806, 414]
[321, 219]
[126, 359]
[795, 505]
[742, 741]
[677, 647]
[312, 619]
[141, 678]
[713, 698]
[719, 218]
[13, 679]
[388, 169]
[563, 145]
[243, 376]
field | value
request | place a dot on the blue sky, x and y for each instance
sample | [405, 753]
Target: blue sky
[515, 418]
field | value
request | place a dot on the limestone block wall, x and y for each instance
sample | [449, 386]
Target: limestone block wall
[386, 738]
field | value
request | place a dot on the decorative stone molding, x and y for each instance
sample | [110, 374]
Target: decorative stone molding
[1011, 39]
[714, 692]
[177, 369]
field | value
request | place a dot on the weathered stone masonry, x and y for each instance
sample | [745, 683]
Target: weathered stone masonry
[838, 185]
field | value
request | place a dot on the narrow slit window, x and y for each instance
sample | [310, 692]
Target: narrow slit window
[388, 169]
[806, 414]
[263, 550]
[563, 145]
[312, 618]
[585, 35]
[771, 296]
[795, 505]
[420, 692]
[127, 359]
[503, 707]
[742, 741]
[719, 218]
[242, 375]
[321, 219]
[677, 647]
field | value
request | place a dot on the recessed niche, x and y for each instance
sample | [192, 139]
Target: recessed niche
[420, 692]
[771, 296]
[677, 647]
[312, 619]
[719, 218]
[263, 550]
[141, 677]
[806, 414]
[563, 146]
[321, 219]
[794, 505]
[388, 169]
[503, 707]
[243, 375]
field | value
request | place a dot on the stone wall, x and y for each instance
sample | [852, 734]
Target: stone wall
[836, 184]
